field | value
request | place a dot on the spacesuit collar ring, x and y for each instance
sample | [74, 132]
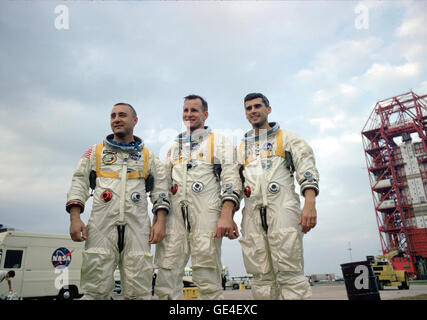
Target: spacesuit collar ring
[275, 127]
[182, 137]
[137, 145]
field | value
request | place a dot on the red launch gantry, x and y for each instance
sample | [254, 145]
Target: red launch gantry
[395, 143]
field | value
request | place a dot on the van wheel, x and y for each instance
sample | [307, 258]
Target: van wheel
[66, 294]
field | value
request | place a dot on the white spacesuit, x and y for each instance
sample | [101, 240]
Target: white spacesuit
[196, 201]
[118, 229]
[271, 237]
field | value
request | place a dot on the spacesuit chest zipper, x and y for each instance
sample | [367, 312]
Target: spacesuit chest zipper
[261, 192]
[184, 212]
[184, 202]
[123, 190]
[263, 215]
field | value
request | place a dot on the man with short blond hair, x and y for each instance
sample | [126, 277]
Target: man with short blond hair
[205, 190]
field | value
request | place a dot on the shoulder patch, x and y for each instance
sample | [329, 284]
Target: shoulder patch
[87, 153]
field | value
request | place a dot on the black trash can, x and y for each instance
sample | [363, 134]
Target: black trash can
[360, 281]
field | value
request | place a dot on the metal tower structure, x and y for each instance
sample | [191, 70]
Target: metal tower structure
[395, 143]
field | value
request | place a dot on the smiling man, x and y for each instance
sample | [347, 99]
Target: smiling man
[201, 163]
[273, 224]
[118, 231]
[122, 120]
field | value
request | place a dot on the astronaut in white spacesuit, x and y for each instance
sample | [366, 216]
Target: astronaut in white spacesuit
[120, 171]
[272, 221]
[205, 189]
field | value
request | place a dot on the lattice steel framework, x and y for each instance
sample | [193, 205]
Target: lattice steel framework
[395, 142]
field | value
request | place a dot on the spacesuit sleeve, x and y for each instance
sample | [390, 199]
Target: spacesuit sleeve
[79, 190]
[168, 167]
[159, 195]
[240, 166]
[306, 172]
[230, 179]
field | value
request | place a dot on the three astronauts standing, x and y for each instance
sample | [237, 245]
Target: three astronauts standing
[194, 195]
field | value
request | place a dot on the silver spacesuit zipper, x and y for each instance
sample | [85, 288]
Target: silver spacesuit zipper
[261, 187]
[184, 203]
[123, 190]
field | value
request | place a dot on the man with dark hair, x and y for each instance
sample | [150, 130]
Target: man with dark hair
[119, 230]
[252, 96]
[273, 224]
[7, 275]
[127, 104]
[205, 190]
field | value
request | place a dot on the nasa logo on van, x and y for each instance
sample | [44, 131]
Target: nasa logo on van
[61, 258]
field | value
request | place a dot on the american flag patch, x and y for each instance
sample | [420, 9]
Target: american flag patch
[87, 154]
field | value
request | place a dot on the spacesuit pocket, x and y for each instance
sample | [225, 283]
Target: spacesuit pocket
[286, 250]
[170, 251]
[255, 254]
[135, 263]
[204, 253]
[137, 270]
[97, 270]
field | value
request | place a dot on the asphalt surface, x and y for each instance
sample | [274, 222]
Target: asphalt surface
[327, 291]
[337, 291]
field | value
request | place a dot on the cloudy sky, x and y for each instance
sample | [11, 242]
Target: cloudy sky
[323, 66]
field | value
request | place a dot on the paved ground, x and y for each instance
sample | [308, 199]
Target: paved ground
[389, 293]
[338, 292]
[333, 291]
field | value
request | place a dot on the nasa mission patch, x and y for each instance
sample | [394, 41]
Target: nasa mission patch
[61, 258]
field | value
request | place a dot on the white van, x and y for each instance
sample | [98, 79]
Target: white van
[45, 265]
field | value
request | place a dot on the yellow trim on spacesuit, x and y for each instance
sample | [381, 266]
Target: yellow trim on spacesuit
[211, 141]
[265, 154]
[146, 159]
[200, 155]
[279, 149]
[116, 175]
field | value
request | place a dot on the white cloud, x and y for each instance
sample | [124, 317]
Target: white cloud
[414, 51]
[349, 68]
[352, 138]
[344, 150]
[414, 27]
[411, 35]
[348, 90]
[335, 97]
[329, 123]
[422, 88]
[304, 75]
[341, 59]
[380, 72]
[389, 79]
[321, 96]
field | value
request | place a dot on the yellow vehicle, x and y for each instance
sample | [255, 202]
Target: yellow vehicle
[237, 283]
[385, 273]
